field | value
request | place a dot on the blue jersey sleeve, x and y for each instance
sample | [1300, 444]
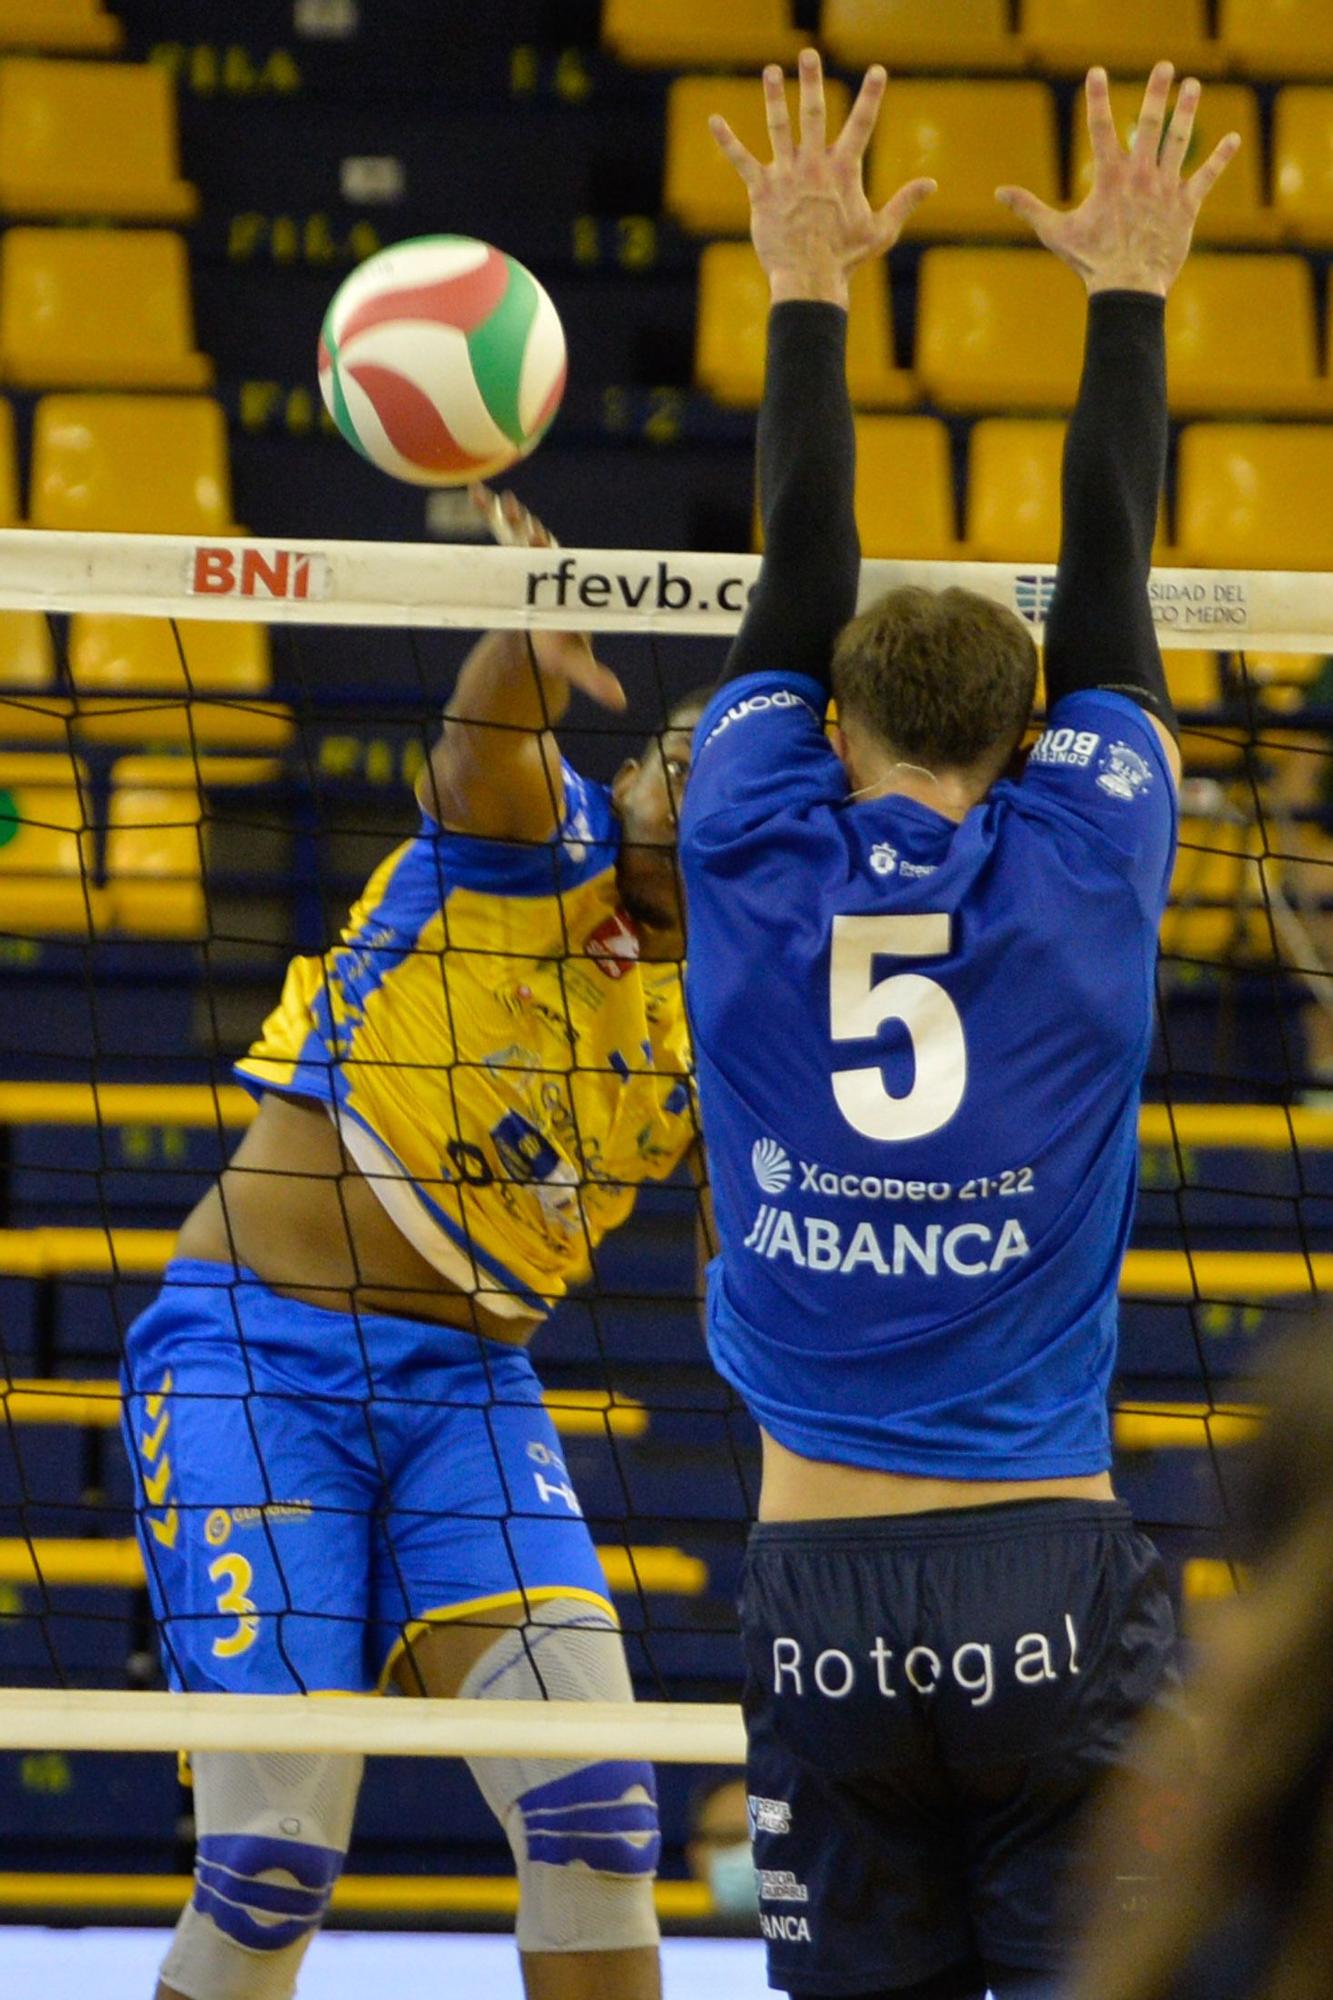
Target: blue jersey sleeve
[1099, 769]
[759, 752]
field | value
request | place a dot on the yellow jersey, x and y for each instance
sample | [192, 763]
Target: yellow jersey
[498, 1059]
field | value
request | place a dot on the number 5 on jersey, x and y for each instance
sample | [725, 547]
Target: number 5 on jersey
[859, 1005]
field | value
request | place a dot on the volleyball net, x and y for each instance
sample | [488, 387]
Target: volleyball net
[205, 750]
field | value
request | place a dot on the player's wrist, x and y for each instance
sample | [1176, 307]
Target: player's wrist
[1127, 280]
[825, 285]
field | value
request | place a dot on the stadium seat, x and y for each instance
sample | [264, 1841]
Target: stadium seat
[1240, 335]
[702, 190]
[27, 655]
[155, 847]
[972, 137]
[689, 32]
[47, 857]
[1131, 35]
[1217, 895]
[10, 510]
[109, 653]
[1278, 38]
[904, 488]
[114, 660]
[1303, 165]
[998, 329]
[98, 309]
[1235, 211]
[1256, 496]
[89, 138]
[1013, 491]
[920, 34]
[59, 27]
[732, 330]
[136, 464]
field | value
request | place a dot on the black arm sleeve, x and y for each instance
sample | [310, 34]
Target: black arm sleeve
[807, 463]
[1100, 632]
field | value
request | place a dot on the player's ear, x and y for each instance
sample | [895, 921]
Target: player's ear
[839, 745]
[623, 779]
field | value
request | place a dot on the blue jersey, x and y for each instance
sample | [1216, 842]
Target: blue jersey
[920, 1047]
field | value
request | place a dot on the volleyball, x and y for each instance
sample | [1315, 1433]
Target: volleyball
[442, 360]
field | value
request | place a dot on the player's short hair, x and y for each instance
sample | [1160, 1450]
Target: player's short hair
[945, 677]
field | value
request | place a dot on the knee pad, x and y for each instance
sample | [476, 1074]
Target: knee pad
[272, 1836]
[584, 1833]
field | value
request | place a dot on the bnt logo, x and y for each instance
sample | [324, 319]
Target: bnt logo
[247, 572]
[1032, 597]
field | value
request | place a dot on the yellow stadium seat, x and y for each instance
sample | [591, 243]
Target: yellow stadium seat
[47, 855]
[136, 464]
[10, 511]
[1303, 164]
[1240, 335]
[904, 488]
[27, 655]
[685, 33]
[149, 655]
[1278, 38]
[998, 329]
[920, 34]
[98, 309]
[1131, 35]
[1235, 211]
[90, 138]
[732, 326]
[972, 137]
[155, 848]
[1013, 491]
[1217, 894]
[116, 661]
[58, 27]
[1255, 496]
[702, 190]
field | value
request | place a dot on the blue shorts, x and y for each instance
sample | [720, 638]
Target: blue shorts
[930, 1700]
[312, 1485]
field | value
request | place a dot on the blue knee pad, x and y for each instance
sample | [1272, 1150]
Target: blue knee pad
[603, 1815]
[263, 1916]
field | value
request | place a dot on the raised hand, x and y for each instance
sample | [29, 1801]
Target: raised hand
[1132, 232]
[810, 221]
[563, 656]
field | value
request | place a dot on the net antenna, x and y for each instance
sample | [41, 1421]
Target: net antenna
[1257, 620]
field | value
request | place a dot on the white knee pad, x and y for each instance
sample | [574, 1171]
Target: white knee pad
[584, 1835]
[272, 1836]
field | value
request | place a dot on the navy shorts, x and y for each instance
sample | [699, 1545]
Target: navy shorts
[929, 1701]
[313, 1488]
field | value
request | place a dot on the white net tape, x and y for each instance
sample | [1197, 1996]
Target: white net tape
[603, 590]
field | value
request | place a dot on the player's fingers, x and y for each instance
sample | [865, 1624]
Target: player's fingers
[1027, 206]
[776, 112]
[1101, 122]
[854, 137]
[890, 220]
[1181, 129]
[744, 161]
[1204, 178]
[811, 72]
[1152, 113]
[584, 671]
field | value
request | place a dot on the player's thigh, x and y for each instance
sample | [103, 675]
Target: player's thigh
[1097, 1649]
[855, 1842]
[483, 1524]
[252, 1513]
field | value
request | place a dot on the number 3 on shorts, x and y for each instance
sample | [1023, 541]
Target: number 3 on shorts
[859, 1005]
[236, 1575]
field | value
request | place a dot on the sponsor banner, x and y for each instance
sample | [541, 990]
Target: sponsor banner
[465, 586]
